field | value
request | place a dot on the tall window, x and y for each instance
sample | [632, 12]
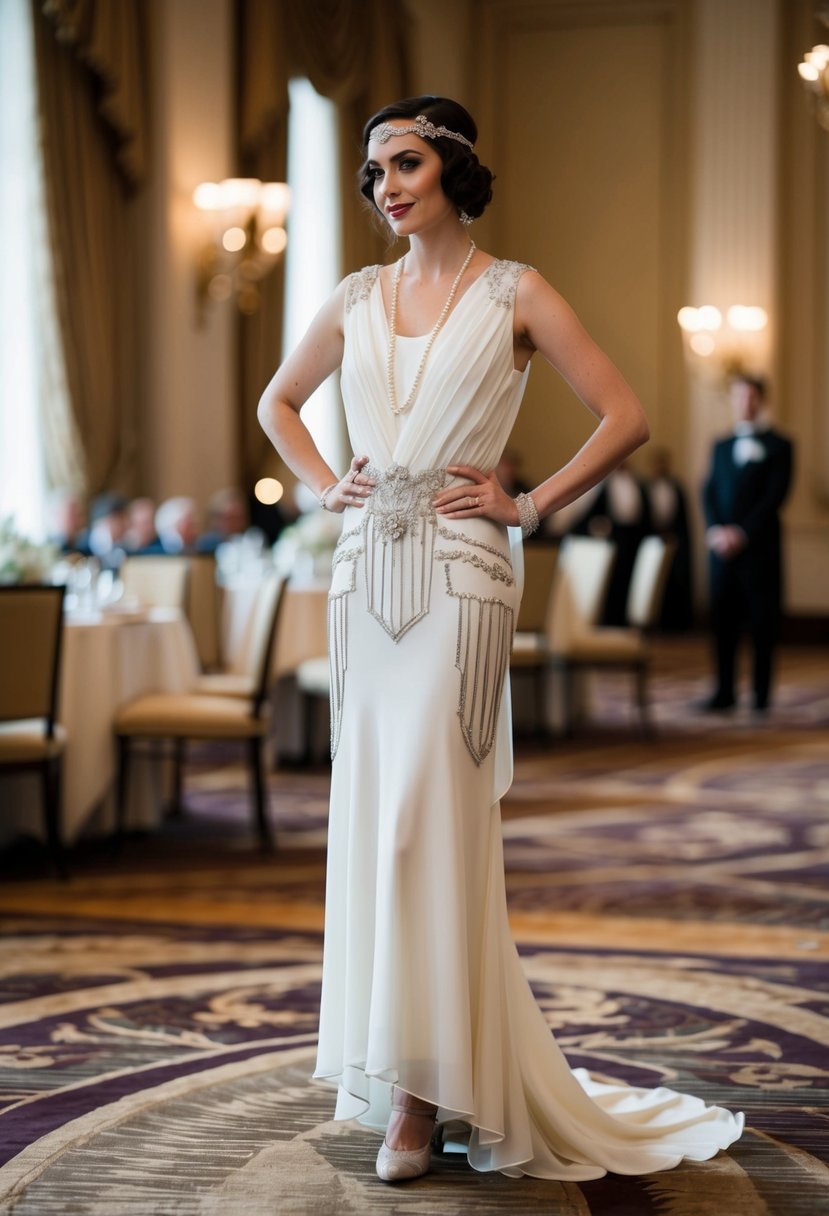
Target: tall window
[30, 363]
[314, 243]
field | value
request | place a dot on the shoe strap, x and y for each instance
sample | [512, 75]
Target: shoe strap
[414, 1110]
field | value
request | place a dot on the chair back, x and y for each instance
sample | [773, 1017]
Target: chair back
[265, 625]
[647, 581]
[31, 631]
[539, 564]
[157, 580]
[579, 588]
[586, 563]
[202, 608]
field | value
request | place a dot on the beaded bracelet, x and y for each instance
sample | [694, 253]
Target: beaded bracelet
[325, 494]
[527, 514]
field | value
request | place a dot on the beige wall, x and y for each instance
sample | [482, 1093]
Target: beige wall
[760, 221]
[441, 50]
[652, 153]
[735, 95]
[649, 153]
[587, 191]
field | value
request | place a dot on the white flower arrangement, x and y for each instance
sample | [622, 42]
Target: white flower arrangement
[310, 542]
[22, 560]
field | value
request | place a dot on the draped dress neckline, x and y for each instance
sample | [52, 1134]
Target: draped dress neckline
[457, 305]
[480, 324]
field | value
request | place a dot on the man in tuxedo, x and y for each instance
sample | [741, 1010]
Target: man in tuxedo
[746, 486]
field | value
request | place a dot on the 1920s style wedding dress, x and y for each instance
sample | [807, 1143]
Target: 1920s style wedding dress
[422, 984]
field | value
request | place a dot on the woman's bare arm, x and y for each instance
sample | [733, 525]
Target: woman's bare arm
[318, 354]
[546, 323]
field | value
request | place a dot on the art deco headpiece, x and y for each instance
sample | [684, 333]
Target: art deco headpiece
[420, 126]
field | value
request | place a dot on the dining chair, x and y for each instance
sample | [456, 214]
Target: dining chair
[579, 587]
[202, 607]
[183, 581]
[530, 647]
[182, 717]
[31, 633]
[242, 683]
[580, 577]
[156, 580]
[622, 647]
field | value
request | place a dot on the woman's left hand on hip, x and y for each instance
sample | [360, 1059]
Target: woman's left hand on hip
[483, 498]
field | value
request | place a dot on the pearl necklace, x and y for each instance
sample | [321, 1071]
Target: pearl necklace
[396, 408]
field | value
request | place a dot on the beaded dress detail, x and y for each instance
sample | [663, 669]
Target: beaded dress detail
[422, 984]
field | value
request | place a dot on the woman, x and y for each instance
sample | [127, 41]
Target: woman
[425, 1009]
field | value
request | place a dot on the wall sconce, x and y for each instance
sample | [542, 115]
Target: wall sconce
[814, 72]
[723, 348]
[247, 238]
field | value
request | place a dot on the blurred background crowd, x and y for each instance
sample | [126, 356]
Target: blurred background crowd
[110, 526]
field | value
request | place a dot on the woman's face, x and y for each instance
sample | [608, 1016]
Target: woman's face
[406, 172]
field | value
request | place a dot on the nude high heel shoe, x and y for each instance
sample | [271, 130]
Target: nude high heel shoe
[399, 1165]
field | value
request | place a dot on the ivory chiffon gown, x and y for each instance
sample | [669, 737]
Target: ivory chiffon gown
[422, 984]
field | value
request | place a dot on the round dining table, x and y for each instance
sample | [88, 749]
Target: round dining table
[107, 659]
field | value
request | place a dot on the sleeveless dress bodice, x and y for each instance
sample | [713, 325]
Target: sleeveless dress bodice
[422, 984]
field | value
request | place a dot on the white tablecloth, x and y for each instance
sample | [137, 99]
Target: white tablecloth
[106, 661]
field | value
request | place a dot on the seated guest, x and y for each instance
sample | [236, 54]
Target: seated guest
[66, 520]
[227, 515]
[620, 512]
[141, 536]
[108, 524]
[177, 525]
[270, 518]
[669, 516]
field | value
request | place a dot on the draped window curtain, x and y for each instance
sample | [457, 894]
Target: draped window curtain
[353, 52]
[91, 77]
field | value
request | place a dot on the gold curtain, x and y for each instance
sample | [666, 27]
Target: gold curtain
[352, 51]
[93, 137]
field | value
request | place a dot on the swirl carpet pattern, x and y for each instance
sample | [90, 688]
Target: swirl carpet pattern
[670, 899]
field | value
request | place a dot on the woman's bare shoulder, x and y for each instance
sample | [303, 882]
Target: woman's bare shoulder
[504, 277]
[533, 288]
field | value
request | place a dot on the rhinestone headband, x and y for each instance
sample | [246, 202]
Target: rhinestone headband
[422, 127]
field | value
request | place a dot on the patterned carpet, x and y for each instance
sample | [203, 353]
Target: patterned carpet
[671, 904]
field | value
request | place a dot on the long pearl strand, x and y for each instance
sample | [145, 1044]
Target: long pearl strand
[396, 408]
